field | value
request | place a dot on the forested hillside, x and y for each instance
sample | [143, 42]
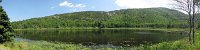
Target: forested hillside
[132, 18]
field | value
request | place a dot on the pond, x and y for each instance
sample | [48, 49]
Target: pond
[96, 37]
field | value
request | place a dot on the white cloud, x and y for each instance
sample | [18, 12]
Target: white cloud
[79, 5]
[52, 7]
[142, 3]
[71, 5]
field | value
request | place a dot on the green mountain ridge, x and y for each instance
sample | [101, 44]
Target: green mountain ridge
[125, 18]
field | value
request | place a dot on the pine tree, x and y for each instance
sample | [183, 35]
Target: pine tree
[5, 27]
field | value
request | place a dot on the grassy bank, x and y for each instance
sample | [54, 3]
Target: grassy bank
[40, 45]
[43, 45]
[182, 44]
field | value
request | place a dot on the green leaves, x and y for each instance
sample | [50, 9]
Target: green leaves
[5, 27]
[1, 27]
[148, 17]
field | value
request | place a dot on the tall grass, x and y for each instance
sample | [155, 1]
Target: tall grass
[182, 44]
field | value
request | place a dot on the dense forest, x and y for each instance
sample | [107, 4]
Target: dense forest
[131, 18]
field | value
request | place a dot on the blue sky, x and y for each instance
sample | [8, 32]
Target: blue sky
[25, 9]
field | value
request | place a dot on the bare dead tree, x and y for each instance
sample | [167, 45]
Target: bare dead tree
[189, 6]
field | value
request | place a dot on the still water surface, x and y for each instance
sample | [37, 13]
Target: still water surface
[91, 37]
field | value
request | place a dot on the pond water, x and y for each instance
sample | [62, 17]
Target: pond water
[95, 37]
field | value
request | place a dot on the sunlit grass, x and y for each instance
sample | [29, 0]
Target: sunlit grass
[44, 45]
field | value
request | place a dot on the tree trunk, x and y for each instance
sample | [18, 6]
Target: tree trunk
[190, 29]
[193, 29]
[193, 21]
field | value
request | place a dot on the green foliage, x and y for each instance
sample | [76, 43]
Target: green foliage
[132, 18]
[5, 27]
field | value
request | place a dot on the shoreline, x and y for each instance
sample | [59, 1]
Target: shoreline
[159, 29]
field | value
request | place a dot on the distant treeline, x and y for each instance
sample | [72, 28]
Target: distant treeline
[126, 18]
